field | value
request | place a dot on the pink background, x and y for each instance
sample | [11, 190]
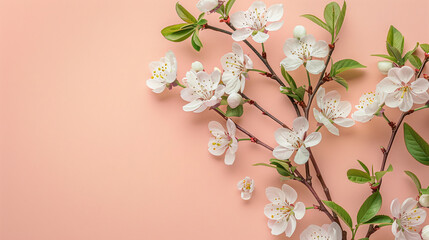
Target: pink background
[87, 151]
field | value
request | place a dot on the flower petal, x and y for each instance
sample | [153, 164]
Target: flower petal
[156, 85]
[420, 85]
[282, 153]
[313, 139]
[403, 74]
[394, 99]
[300, 126]
[229, 157]
[260, 37]
[192, 106]
[408, 205]
[407, 102]
[420, 98]
[216, 128]
[246, 195]
[395, 208]
[273, 210]
[241, 34]
[291, 63]
[274, 26]
[230, 125]
[388, 85]
[290, 194]
[299, 210]
[320, 49]
[275, 13]
[309, 39]
[315, 66]
[238, 20]
[277, 227]
[285, 137]
[275, 194]
[188, 95]
[344, 122]
[301, 156]
[319, 96]
[290, 46]
[291, 226]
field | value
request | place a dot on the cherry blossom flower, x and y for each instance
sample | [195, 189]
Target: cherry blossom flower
[302, 51]
[400, 92]
[208, 5]
[223, 140]
[425, 233]
[291, 140]
[164, 72]
[407, 217]
[235, 65]
[282, 213]
[246, 186]
[253, 22]
[369, 104]
[332, 111]
[202, 91]
[326, 232]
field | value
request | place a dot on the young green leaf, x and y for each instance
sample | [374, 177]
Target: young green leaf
[394, 52]
[264, 164]
[317, 21]
[331, 14]
[341, 18]
[196, 42]
[224, 101]
[369, 208]
[364, 167]
[416, 145]
[415, 61]
[358, 176]
[385, 56]
[415, 180]
[342, 82]
[178, 32]
[408, 54]
[340, 211]
[184, 14]
[379, 175]
[201, 16]
[299, 92]
[234, 112]
[395, 39]
[288, 78]
[425, 47]
[379, 219]
[228, 6]
[344, 65]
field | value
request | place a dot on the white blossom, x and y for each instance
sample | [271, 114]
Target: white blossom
[302, 51]
[332, 111]
[283, 212]
[246, 186]
[424, 200]
[326, 232]
[369, 105]
[235, 65]
[223, 140]
[299, 32]
[406, 218]
[234, 100]
[164, 72]
[207, 5]
[425, 233]
[384, 66]
[197, 66]
[400, 91]
[293, 140]
[202, 91]
[253, 22]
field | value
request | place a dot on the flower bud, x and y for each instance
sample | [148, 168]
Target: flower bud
[197, 66]
[424, 201]
[299, 32]
[234, 100]
[207, 5]
[384, 66]
[425, 233]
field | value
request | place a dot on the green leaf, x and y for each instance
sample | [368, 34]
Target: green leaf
[369, 208]
[364, 239]
[221, 10]
[408, 54]
[415, 180]
[234, 112]
[395, 39]
[264, 164]
[385, 56]
[364, 167]
[202, 22]
[424, 191]
[228, 6]
[196, 42]
[415, 61]
[340, 211]
[342, 81]
[178, 32]
[331, 14]
[224, 101]
[341, 18]
[344, 65]
[425, 47]
[288, 78]
[317, 21]
[358, 176]
[416, 145]
[379, 219]
[394, 52]
[299, 92]
[379, 175]
[184, 14]
[201, 16]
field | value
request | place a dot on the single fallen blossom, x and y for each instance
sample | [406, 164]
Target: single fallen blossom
[246, 186]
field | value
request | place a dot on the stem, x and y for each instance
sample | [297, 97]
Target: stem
[422, 67]
[307, 208]
[307, 173]
[385, 117]
[318, 128]
[244, 139]
[265, 112]
[320, 82]
[256, 70]
[322, 206]
[217, 29]
[309, 79]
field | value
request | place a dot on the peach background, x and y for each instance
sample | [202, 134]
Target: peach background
[88, 152]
